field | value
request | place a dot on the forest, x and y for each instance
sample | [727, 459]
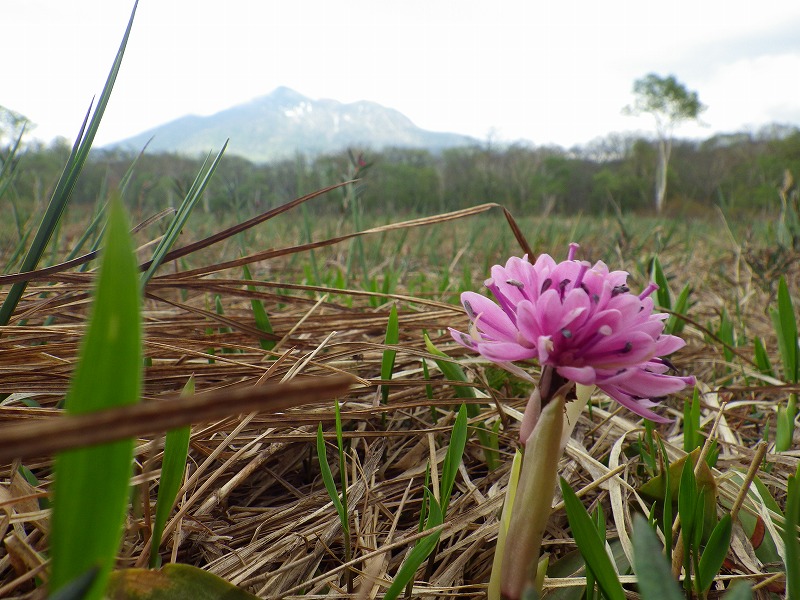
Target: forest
[745, 174]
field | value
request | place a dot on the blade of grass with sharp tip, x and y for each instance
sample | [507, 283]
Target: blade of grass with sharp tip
[66, 183]
[785, 323]
[391, 340]
[184, 210]
[259, 314]
[327, 476]
[675, 324]
[454, 372]
[652, 570]
[420, 552]
[458, 441]
[91, 487]
[663, 296]
[715, 552]
[761, 357]
[591, 547]
[173, 467]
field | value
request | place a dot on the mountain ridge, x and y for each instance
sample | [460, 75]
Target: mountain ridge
[284, 123]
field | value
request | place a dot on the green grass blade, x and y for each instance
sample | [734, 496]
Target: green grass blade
[173, 467]
[220, 310]
[259, 314]
[790, 539]
[591, 547]
[458, 441]
[66, 183]
[784, 428]
[785, 324]
[342, 463]
[762, 358]
[327, 476]
[91, 485]
[652, 569]
[666, 521]
[420, 552]
[687, 500]
[715, 552]
[178, 222]
[663, 296]
[691, 423]
[392, 339]
[451, 370]
[675, 324]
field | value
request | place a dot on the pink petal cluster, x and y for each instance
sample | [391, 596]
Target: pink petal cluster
[581, 320]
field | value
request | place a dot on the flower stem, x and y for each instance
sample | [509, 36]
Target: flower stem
[534, 499]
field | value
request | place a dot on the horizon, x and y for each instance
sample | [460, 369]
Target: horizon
[764, 129]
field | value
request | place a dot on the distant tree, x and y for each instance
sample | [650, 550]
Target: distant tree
[670, 103]
[12, 125]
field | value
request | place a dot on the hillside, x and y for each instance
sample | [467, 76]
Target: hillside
[285, 122]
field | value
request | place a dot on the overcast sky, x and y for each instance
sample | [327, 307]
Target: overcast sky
[552, 72]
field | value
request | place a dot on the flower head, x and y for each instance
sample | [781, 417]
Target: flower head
[580, 320]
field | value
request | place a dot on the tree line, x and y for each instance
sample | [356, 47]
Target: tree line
[742, 172]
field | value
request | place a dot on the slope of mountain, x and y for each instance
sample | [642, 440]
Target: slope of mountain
[285, 122]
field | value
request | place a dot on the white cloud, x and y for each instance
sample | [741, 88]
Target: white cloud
[555, 72]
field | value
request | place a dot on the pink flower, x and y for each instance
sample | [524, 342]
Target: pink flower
[580, 320]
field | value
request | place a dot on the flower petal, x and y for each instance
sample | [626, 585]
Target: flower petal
[505, 351]
[489, 318]
[582, 375]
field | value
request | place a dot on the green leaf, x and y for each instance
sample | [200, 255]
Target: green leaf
[327, 476]
[342, 463]
[391, 340]
[727, 335]
[653, 572]
[458, 441]
[452, 371]
[173, 467]
[790, 539]
[762, 358]
[785, 324]
[687, 504]
[591, 547]
[714, 553]
[92, 484]
[784, 429]
[675, 324]
[420, 552]
[66, 183]
[172, 582]
[259, 314]
[663, 296]
[691, 423]
[667, 499]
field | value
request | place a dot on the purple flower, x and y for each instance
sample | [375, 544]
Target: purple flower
[580, 320]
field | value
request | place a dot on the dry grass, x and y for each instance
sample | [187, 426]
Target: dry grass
[253, 509]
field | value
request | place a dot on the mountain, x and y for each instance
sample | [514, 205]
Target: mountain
[285, 122]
